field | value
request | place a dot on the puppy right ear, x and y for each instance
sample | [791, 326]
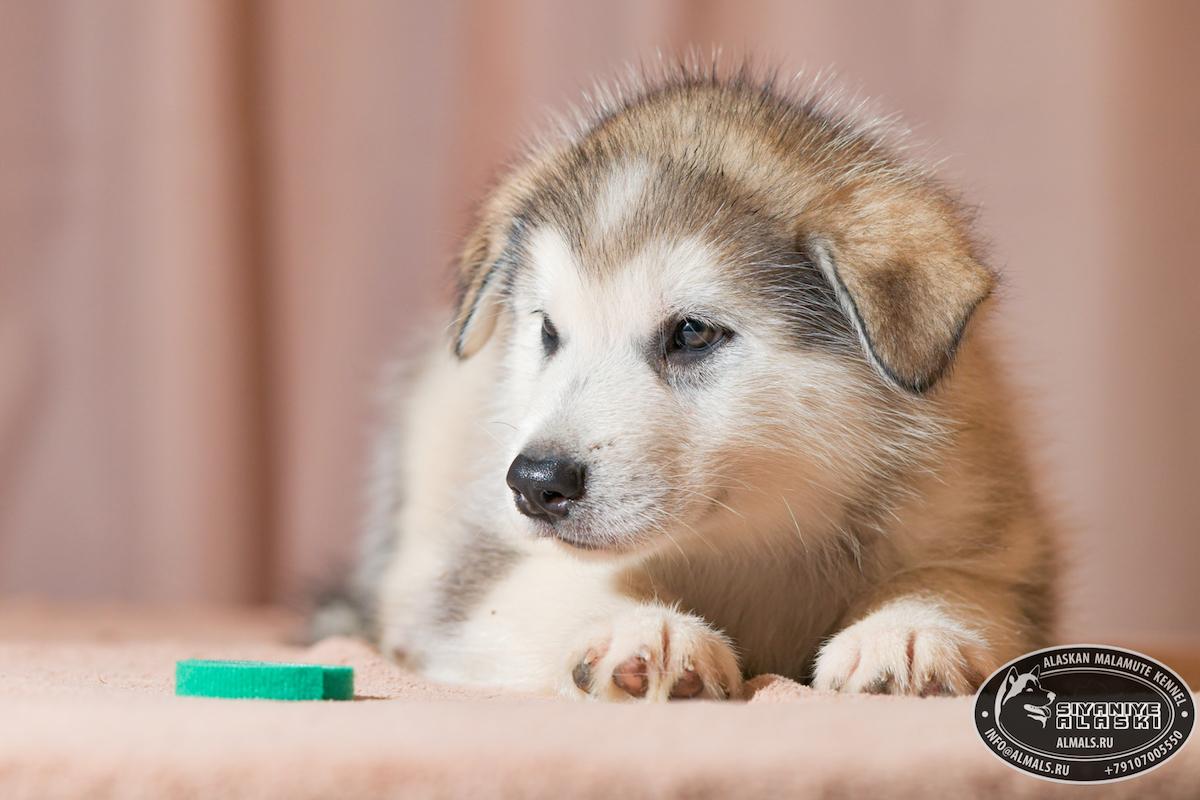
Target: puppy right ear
[479, 292]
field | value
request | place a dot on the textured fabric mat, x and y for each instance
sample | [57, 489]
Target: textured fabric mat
[87, 710]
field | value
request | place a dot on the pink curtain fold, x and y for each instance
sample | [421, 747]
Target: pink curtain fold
[218, 219]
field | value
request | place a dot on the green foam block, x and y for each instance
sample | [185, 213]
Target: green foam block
[263, 680]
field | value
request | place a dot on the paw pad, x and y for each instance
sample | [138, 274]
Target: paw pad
[632, 676]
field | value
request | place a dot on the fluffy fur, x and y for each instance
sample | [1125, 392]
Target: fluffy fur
[835, 492]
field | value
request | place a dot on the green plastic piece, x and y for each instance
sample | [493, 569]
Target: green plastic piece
[263, 680]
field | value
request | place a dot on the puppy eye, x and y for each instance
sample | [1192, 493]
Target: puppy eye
[694, 337]
[550, 340]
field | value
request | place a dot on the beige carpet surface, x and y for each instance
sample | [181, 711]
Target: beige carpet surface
[87, 711]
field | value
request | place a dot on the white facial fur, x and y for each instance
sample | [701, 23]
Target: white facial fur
[759, 438]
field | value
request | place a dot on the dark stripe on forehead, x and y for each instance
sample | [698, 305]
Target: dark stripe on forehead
[676, 200]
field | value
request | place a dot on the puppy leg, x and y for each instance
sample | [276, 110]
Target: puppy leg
[554, 623]
[653, 652]
[933, 632]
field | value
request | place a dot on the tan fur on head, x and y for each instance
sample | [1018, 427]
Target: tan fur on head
[894, 246]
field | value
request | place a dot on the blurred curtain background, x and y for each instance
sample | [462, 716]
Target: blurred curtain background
[217, 219]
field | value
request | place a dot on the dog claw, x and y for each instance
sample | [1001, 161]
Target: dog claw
[882, 685]
[582, 675]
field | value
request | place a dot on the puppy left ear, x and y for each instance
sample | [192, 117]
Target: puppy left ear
[478, 293]
[906, 275]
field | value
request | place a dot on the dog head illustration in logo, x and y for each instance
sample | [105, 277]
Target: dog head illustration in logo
[1023, 692]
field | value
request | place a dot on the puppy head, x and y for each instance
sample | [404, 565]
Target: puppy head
[724, 310]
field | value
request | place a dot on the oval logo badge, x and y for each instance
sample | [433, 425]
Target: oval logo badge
[1084, 713]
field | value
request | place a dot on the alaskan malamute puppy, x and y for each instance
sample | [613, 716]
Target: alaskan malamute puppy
[718, 399]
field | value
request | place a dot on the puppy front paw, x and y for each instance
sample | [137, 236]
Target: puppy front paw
[907, 647]
[656, 653]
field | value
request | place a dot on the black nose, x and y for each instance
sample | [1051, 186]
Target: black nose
[545, 488]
